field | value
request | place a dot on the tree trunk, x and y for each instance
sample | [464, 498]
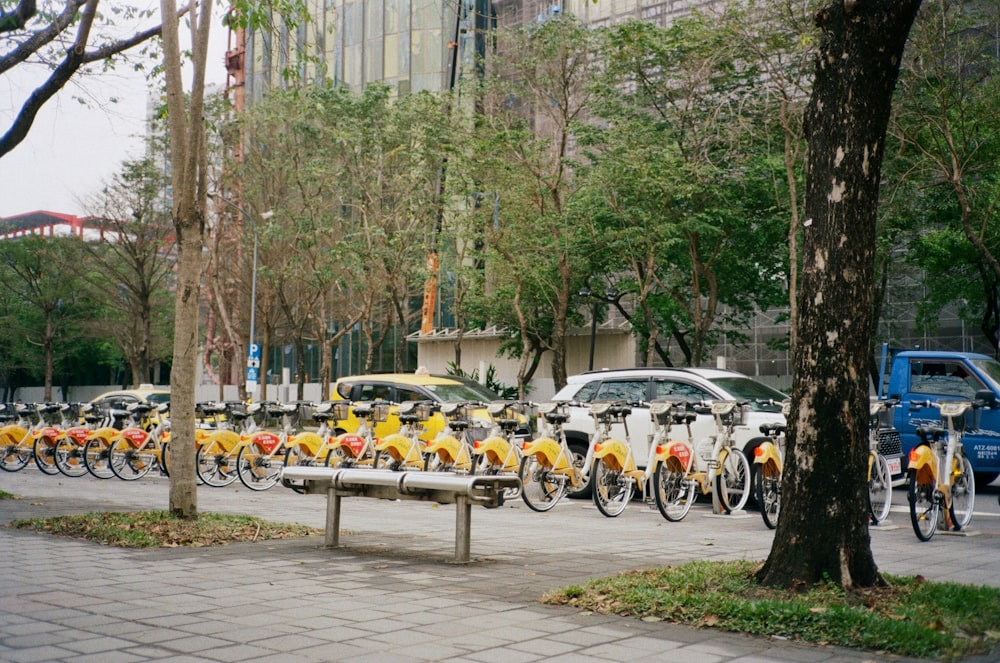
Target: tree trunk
[823, 530]
[188, 163]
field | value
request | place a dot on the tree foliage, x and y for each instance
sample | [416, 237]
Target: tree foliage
[54, 41]
[948, 134]
[351, 179]
[132, 268]
[683, 208]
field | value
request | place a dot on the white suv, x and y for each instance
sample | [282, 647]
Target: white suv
[695, 385]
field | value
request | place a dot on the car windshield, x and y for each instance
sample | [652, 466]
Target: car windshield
[461, 392]
[745, 389]
[158, 398]
[991, 368]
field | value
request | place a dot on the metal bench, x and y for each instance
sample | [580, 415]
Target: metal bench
[444, 488]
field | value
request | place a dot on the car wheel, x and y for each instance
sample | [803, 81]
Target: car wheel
[579, 450]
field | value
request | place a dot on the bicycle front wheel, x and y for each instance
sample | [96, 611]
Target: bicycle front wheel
[924, 509]
[674, 494]
[96, 456]
[963, 494]
[215, 466]
[541, 489]
[768, 492]
[129, 463]
[879, 489]
[732, 483]
[68, 457]
[257, 469]
[612, 489]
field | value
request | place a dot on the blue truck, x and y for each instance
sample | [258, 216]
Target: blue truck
[923, 375]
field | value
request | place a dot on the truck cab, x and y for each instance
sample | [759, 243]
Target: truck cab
[936, 376]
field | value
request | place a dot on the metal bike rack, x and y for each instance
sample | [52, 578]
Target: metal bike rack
[444, 488]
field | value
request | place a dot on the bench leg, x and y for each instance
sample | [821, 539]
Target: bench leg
[332, 519]
[463, 528]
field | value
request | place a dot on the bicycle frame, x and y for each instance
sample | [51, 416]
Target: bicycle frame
[358, 448]
[447, 451]
[500, 452]
[143, 445]
[404, 448]
[710, 480]
[552, 452]
[929, 466]
[18, 438]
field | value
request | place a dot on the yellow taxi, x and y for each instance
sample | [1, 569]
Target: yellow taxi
[399, 387]
[121, 398]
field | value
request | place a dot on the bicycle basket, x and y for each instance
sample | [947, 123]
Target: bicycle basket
[730, 413]
[380, 410]
[661, 411]
[342, 410]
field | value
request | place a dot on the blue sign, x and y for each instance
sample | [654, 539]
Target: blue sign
[253, 359]
[252, 373]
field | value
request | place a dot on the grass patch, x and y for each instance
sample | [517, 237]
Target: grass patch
[910, 617]
[155, 529]
[4, 495]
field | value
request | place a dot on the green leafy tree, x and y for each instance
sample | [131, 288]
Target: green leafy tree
[681, 209]
[351, 178]
[38, 277]
[523, 133]
[948, 133]
[131, 266]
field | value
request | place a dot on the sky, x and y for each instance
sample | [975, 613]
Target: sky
[73, 149]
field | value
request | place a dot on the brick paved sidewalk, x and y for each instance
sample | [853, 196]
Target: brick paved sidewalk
[390, 593]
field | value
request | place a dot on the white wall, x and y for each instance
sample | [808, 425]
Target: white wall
[614, 348]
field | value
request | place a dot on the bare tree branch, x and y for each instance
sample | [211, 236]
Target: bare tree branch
[76, 56]
[15, 20]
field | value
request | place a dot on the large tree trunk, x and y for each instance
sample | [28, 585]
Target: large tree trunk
[188, 163]
[823, 531]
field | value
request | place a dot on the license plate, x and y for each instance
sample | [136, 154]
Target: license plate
[895, 466]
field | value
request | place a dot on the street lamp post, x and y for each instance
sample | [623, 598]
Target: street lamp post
[609, 297]
[253, 350]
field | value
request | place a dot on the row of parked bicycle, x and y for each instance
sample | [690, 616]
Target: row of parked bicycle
[253, 442]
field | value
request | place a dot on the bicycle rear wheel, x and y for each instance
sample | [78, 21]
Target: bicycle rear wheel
[129, 463]
[879, 489]
[674, 494]
[924, 509]
[215, 466]
[96, 456]
[768, 492]
[732, 483]
[541, 489]
[257, 469]
[68, 457]
[15, 456]
[44, 452]
[612, 489]
[963, 494]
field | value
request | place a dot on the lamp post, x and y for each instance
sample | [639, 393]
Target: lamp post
[253, 350]
[610, 296]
